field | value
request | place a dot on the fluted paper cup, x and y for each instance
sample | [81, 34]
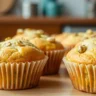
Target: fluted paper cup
[83, 76]
[54, 61]
[21, 75]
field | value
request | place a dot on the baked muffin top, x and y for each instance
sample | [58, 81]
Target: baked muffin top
[40, 40]
[84, 52]
[32, 33]
[60, 37]
[46, 43]
[28, 33]
[89, 34]
[72, 39]
[19, 34]
[19, 51]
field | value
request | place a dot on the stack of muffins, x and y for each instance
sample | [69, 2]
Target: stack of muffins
[31, 53]
[26, 56]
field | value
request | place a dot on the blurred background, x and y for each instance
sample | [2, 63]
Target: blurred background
[53, 16]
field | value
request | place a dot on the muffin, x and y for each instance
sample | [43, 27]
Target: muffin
[21, 64]
[81, 65]
[28, 33]
[53, 49]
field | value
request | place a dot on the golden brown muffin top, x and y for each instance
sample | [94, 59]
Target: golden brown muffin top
[32, 33]
[60, 37]
[72, 39]
[89, 34]
[84, 52]
[19, 51]
[28, 33]
[46, 43]
[40, 40]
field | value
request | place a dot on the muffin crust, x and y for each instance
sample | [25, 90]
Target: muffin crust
[19, 51]
[84, 52]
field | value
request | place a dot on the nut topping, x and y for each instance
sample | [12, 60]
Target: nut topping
[51, 39]
[44, 36]
[7, 44]
[8, 38]
[19, 31]
[75, 34]
[40, 32]
[89, 31]
[20, 43]
[82, 49]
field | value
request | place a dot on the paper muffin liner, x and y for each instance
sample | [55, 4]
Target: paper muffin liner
[21, 75]
[83, 76]
[54, 61]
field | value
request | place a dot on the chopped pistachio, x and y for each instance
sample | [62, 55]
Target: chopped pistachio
[20, 31]
[7, 44]
[82, 49]
[89, 31]
[44, 36]
[76, 34]
[40, 32]
[8, 38]
[51, 39]
[20, 43]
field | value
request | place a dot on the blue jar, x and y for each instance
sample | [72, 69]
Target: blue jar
[42, 7]
[51, 8]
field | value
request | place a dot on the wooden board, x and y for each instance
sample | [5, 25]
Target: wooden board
[57, 85]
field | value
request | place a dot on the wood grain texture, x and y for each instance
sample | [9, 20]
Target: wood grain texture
[56, 85]
[45, 20]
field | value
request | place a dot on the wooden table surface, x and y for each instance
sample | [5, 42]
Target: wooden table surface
[57, 85]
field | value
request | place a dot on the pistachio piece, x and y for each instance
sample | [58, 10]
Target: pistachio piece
[51, 39]
[19, 43]
[89, 31]
[7, 44]
[40, 32]
[44, 36]
[75, 34]
[82, 49]
[20, 31]
[8, 38]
